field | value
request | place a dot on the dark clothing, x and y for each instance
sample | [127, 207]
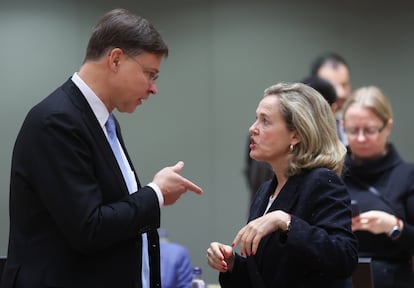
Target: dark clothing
[256, 173]
[320, 249]
[393, 179]
[72, 220]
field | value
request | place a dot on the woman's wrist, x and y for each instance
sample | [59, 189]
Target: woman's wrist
[288, 223]
[397, 229]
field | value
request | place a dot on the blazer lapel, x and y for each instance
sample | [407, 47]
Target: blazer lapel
[95, 129]
[285, 201]
[262, 198]
[288, 195]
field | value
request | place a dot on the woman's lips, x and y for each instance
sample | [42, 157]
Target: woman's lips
[252, 143]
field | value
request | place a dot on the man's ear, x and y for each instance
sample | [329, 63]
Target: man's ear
[114, 58]
[334, 107]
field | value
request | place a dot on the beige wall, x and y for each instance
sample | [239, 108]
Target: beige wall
[222, 56]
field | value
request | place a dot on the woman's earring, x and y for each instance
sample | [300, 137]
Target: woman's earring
[291, 148]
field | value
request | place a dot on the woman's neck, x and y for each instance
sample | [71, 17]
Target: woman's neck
[360, 160]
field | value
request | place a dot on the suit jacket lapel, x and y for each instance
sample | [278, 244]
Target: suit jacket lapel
[95, 129]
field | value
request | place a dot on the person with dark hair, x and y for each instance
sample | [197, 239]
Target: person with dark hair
[324, 58]
[299, 227]
[381, 184]
[333, 68]
[79, 216]
[325, 88]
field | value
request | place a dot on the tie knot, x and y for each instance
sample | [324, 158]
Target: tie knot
[110, 127]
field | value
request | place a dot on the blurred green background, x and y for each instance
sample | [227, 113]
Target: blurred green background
[223, 54]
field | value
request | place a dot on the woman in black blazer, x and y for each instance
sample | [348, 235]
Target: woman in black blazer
[299, 229]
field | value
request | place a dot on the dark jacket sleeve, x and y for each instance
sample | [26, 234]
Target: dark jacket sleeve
[320, 232]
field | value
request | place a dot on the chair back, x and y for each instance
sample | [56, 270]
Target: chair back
[2, 264]
[362, 276]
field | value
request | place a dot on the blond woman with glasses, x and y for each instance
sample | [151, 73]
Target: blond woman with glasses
[382, 185]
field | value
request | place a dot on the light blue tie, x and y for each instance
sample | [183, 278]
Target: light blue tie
[116, 148]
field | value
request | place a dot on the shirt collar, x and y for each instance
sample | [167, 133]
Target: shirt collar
[98, 107]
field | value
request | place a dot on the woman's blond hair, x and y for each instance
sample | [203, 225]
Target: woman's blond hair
[307, 112]
[370, 97]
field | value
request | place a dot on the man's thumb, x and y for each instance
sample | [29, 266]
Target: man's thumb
[178, 167]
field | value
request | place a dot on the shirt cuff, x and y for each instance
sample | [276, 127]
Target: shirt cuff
[158, 192]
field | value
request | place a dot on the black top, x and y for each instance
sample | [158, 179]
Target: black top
[393, 179]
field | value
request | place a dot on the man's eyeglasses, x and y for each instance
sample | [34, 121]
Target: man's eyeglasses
[367, 132]
[151, 75]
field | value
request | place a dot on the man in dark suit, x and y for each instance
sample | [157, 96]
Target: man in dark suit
[77, 212]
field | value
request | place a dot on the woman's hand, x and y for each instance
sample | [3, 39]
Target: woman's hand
[250, 235]
[220, 257]
[374, 221]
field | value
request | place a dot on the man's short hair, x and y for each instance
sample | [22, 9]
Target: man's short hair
[327, 57]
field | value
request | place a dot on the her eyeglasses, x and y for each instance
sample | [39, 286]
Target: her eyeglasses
[367, 132]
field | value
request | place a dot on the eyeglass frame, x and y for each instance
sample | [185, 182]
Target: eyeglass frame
[367, 132]
[152, 76]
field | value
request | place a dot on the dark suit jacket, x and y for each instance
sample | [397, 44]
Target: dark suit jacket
[320, 249]
[72, 220]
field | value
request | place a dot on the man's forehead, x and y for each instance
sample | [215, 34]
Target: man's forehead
[332, 72]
